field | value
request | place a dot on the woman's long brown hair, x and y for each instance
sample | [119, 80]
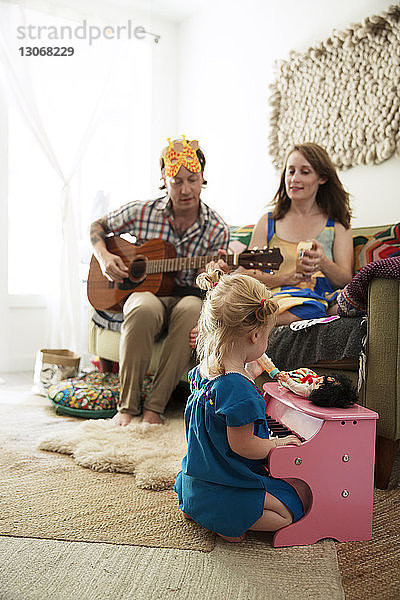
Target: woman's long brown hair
[331, 196]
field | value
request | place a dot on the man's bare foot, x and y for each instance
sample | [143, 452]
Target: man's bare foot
[122, 419]
[152, 417]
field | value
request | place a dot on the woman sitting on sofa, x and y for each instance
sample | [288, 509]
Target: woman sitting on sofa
[310, 204]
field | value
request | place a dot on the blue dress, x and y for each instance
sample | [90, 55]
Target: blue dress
[219, 489]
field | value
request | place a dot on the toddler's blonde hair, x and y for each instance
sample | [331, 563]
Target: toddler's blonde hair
[235, 305]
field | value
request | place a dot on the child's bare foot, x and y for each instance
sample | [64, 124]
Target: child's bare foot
[232, 539]
[122, 419]
[152, 417]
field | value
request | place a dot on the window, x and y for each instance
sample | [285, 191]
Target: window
[98, 100]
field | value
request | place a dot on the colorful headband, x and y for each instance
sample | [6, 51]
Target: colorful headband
[262, 302]
[181, 153]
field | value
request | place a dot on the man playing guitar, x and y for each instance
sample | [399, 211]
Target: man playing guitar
[184, 220]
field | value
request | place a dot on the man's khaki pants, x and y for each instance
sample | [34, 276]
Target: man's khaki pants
[146, 317]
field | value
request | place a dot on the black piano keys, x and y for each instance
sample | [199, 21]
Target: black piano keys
[280, 430]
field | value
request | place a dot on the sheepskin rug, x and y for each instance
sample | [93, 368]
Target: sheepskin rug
[153, 453]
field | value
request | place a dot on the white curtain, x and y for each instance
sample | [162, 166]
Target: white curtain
[65, 159]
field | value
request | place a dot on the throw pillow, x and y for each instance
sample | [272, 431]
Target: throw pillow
[242, 234]
[359, 242]
[384, 244]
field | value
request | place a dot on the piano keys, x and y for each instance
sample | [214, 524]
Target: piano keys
[332, 470]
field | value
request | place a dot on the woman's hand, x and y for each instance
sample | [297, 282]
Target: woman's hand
[293, 278]
[338, 271]
[312, 260]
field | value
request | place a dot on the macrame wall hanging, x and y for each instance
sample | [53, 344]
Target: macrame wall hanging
[343, 94]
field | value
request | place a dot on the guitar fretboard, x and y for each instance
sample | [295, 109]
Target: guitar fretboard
[167, 265]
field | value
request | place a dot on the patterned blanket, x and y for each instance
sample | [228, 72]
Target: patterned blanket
[352, 300]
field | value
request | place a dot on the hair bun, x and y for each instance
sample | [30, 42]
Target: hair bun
[268, 306]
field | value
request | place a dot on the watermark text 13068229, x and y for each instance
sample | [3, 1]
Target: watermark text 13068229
[46, 51]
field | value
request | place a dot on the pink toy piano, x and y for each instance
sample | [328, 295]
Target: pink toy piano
[332, 470]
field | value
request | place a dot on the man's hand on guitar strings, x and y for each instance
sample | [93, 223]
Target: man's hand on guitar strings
[114, 268]
[219, 264]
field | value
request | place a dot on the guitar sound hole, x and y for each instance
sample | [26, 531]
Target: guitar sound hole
[137, 270]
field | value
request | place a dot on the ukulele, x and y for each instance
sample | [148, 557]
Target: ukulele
[152, 268]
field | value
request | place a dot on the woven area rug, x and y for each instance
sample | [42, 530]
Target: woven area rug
[251, 570]
[372, 569]
[48, 495]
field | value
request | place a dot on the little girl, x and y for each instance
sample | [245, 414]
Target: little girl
[223, 484]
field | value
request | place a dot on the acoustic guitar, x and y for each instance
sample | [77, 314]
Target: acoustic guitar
[152, 268]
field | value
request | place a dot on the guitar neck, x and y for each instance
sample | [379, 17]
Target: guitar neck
[151, 267]
[167, 265]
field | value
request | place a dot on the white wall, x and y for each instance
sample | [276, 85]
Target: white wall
[227, 51]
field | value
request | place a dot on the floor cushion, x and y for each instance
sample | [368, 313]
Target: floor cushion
[93, 395]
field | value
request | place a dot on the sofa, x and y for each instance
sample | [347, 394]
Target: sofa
[366, 349]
